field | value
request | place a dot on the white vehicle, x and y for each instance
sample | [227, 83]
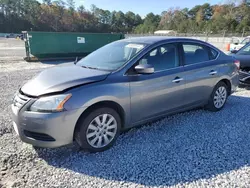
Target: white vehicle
[236, 44]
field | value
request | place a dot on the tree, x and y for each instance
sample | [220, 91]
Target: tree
[81, 9]
[48, 2]
[71, 4]
[150, 24]
[63, 15]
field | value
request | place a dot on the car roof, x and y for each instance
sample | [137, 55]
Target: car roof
[155, 39]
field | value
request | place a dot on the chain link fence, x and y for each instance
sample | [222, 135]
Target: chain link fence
[218, 40]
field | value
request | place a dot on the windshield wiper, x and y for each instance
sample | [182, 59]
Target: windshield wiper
[89, 67]
[109, 70]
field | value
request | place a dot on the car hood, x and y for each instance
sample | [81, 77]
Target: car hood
[244, 60]
[60, 78]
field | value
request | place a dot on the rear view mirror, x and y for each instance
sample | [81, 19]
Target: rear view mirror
[144, 69]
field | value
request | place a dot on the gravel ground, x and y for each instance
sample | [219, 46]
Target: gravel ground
[192, 149]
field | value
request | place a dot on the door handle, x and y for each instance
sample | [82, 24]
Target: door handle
[177, 80]
[212, 72]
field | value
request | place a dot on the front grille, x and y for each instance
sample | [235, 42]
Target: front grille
[20, 100]
[244, 75]
[38, 136]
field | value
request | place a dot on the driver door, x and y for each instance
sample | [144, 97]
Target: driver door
[159, 93]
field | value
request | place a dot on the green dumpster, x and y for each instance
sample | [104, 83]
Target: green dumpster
[62, 45]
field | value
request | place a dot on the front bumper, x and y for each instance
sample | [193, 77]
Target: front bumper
[45, 129]
[244, 78]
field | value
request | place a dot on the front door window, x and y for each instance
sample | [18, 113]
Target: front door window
[162, 58]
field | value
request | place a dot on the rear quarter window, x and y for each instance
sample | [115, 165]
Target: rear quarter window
[214, 54]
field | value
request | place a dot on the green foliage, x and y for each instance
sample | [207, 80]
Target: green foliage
[63, 15]
[208, 19]
[149, 25]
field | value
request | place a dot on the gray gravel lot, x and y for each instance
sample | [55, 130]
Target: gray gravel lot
[192, 149]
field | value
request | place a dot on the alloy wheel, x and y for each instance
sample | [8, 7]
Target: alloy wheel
[220, 97]
[101, 130]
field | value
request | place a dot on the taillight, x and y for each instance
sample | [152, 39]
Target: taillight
[237, 63]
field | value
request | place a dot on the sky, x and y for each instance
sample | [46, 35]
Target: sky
[143, 7]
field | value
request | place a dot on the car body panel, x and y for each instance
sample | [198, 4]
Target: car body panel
[112, 89]
[59, 78]
[57, 125]
[155, 93]
[199, 83]
[141, 97]
[244, 60]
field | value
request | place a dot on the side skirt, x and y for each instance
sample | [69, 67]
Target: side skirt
[167, 113]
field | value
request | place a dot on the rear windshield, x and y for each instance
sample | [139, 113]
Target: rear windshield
[244, 50]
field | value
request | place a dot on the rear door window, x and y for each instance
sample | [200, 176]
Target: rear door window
[195, 53]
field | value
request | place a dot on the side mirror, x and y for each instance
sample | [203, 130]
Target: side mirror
[145, 69]
[236, 43]
[234, 51]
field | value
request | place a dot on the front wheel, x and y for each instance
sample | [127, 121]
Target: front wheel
[218, 97]
[98, 130]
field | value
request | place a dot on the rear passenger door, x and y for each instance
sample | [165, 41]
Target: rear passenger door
[200, 72]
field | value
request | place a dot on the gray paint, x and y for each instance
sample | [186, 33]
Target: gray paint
[62, 77]
[142, 97]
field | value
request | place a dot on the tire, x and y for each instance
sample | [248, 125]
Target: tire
[221, 92]
[90, 131]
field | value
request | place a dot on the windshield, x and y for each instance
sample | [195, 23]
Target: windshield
[245, 41]
[244, 50]
[111, 56]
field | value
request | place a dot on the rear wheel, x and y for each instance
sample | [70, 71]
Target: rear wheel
[98, 130]
[218, 97]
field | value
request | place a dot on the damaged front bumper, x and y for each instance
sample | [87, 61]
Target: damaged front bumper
[244, 77]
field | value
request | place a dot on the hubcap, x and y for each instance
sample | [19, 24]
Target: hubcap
[101, 130]
[220, 97]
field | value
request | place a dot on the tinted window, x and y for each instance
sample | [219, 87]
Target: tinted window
[195, 53]
[162, 58]
[244, 51]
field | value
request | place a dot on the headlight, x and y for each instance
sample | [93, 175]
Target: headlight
[50, 104]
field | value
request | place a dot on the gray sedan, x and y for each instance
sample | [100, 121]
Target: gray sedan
[121, 85]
